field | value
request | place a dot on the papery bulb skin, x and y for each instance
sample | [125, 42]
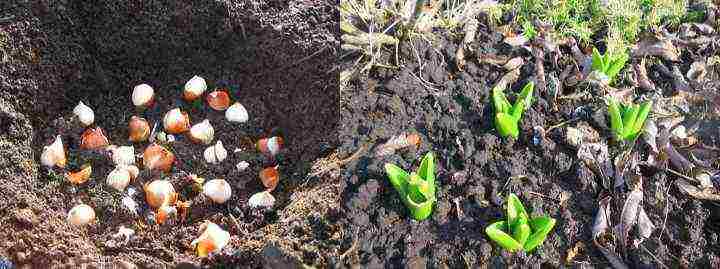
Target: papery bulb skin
[176, 121]
[81, 215]
[138, 129]
[159, 193]
[122, 155]
[215, 154]
[237, 113]
[143, 96]
[119, 178]
[218, 100]
[261, 199]
[202, 133]
[54, 154]
[212, 239]
[158, 158]
[79, 177]
[93, 139]
[85, 114]
[164, 213]
[133, 170]
[270, 177]
[194, 88]
[218, 190]
[271, 145]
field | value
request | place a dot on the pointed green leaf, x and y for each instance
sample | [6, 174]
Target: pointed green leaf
[541, 227]
[521, 229]
[517, 111]
[419, 210]
[506, 125]
[427, 170]
[616, 123]
[418, 189]
[398, 178]
[500, 101]
[597, 61]
[496, 232]
[616, 66]
[629, 119]
[523, 101]
[515, 209]
[642, 116]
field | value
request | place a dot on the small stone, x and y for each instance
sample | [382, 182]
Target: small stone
[26, 216]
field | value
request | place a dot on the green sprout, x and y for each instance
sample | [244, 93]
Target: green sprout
[627, 121]
[506, 116]
[608, 65]
[519, 232]
[417, 190]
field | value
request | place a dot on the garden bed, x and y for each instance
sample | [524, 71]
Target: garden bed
[449, 106]
[271, 56]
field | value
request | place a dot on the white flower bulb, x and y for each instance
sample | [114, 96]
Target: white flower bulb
[85, 114]
[54, 154]
[81, 214]
[119, 178]
[216, 153]
[217, 190]
[123, 155]
[212, 239]
[142, 95]
[262, 199]
[237, 113]
[194, 88]
[202, 132]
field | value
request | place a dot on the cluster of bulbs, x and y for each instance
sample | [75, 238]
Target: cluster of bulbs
[160, 194]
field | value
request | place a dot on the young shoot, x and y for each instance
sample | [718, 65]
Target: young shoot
[607, 65]
[627, 121]
[507, 117]
[519, 232]
[417, 190]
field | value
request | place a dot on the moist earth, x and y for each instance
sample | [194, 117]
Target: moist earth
[271, 56]
[450, 109]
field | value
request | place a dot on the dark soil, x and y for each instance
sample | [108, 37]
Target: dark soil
[272, 56]
[451, 111]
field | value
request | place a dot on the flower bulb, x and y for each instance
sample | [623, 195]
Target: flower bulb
[261, 199]
[216, 153]
[93, 138]
[176, 121]
[218, 100]
[270, 177]
[81, 215]
[157, 157]
[54, 154]
[270, 145]
[194, 88]
[159, 193]
[119, 178]
[81, 176]
[212, 239]
[138, 129]
[202, 132]
[85, 114]
[122, 155]
[237, 113]
[142, 95]
[217, 190]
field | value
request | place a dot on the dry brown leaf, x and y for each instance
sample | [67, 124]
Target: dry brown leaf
[629, 215]
[656, 46]
[695, 192]
[397, 142]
